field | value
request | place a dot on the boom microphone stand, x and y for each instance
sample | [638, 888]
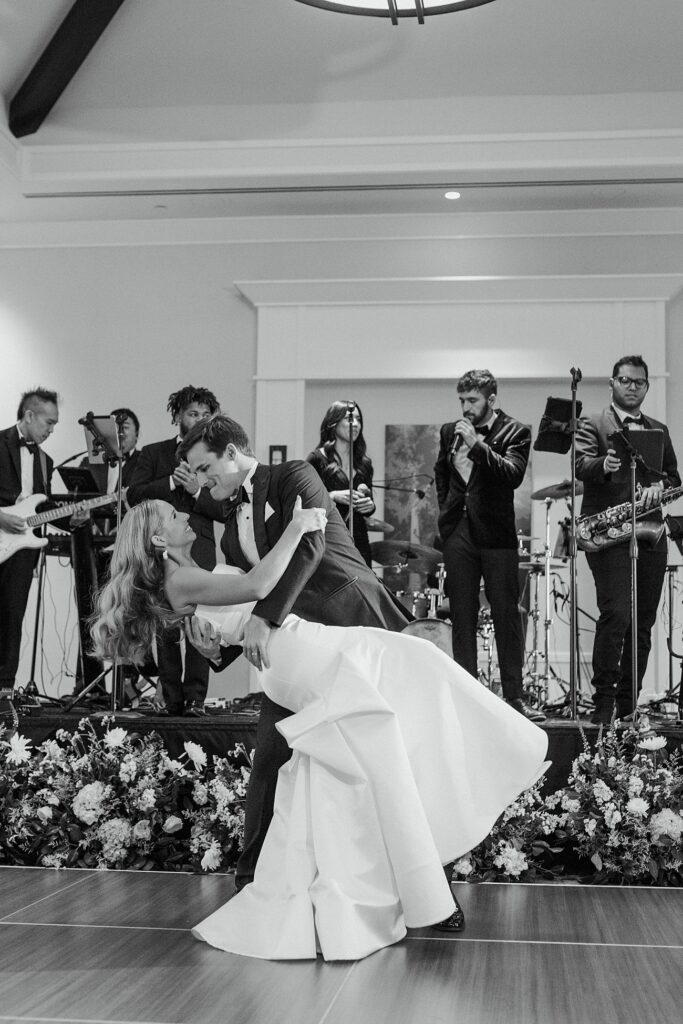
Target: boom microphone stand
[573, 599]
[112, 457]
[350, 406]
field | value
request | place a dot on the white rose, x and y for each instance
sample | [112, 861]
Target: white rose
[172, 824]
[196, 754]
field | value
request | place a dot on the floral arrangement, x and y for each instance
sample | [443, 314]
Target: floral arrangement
[114, 799]
[520, 845]
[108, 798]
[619, 819]
[623, 807]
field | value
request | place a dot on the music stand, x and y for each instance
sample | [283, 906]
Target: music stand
[642, 448]
[78, 480]
[104, 441]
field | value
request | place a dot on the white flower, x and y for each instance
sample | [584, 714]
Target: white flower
[637, 806]
[115, 836]
[570, 805]
[19, 750]
[612, 816]
[88, 802]
[142, 829]
[602, 792]
[44, 814]
[196, 754]
[200, 794]
[635, 786]
[590, 826]
[128, 768]
[463, 867]
[52, 751]
[666, 823]
[513, 862]
[115, 738]
[172, 824]
[652, 743]
[212, 858]
[147, 800]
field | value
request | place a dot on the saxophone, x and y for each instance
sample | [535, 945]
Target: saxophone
[613, 525]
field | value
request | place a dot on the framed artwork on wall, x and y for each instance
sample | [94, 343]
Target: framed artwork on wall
[277, 454]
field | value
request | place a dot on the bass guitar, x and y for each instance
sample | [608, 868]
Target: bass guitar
[10, 543]
[613, 525]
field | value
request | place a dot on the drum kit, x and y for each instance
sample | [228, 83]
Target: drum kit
[401, 559]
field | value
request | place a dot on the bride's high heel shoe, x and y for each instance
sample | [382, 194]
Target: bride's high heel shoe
[454, 923]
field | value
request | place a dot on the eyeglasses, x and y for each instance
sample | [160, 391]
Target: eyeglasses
[639, 383]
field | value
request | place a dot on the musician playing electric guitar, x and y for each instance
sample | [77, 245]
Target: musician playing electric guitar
[25, 469]
[597, 463]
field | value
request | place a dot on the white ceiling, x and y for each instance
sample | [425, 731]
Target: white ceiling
[171, 74]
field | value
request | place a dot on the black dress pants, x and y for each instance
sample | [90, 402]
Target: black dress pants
[466, 566]
[612, 661]
[16, 575]
[179, 687]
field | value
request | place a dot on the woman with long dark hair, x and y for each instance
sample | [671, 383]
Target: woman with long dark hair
[401, 761]
[341, 425]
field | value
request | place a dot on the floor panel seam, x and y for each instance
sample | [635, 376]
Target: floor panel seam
[546, 942]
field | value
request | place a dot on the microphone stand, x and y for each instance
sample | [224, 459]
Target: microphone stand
[112, 458]
[350, 406]
[573, 550]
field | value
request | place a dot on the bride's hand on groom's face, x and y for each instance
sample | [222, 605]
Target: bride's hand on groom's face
[203, 637]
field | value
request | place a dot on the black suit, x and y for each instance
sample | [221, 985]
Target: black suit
[152, 479]
[611, 567]
[17, 572]
[326, 581]
[477, 528]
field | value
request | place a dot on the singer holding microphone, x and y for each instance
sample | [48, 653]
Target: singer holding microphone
[482, 460]
[342, 444]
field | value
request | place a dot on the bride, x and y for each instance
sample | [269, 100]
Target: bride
[401, 761]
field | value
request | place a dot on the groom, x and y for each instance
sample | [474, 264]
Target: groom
[327, 581]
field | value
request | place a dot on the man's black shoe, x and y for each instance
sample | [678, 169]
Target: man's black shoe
[604, 710]
[173, 710]
[454, 923]
[533, 714]
[195, 709]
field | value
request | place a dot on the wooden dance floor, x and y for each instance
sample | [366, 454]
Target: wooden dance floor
[108, 946]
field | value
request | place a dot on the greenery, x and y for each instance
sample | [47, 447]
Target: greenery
[114, 799]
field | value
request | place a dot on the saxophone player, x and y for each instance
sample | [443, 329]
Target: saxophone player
[598, 466]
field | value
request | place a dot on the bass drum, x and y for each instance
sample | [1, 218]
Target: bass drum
[438, 632]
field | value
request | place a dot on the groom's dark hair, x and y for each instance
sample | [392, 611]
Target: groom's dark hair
[216, 433]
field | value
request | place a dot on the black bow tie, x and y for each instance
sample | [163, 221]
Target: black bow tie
[240, 497]
[631, 419]
[31, 445]
[483, 430]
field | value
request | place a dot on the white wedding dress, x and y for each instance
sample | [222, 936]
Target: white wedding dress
[401, 763]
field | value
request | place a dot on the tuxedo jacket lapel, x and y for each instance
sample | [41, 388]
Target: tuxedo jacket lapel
[231, 546]
[261, 481]
[13, 446]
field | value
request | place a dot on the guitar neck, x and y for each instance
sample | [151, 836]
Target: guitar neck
[67, 510]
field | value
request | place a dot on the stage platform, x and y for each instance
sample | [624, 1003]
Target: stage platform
[221, 730]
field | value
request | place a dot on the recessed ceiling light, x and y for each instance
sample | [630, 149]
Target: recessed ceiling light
[452, 195]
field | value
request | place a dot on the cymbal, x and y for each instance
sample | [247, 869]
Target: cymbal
[538, 566]
[415, 557]
[378, 524]
[554, 491]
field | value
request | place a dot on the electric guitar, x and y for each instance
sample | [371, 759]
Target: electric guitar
[10, 543]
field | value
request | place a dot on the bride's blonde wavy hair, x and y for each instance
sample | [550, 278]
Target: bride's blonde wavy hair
[131, 607]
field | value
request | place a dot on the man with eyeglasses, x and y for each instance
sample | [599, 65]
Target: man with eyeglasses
[598, 466]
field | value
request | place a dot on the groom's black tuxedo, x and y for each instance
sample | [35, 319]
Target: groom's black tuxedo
[326, 581]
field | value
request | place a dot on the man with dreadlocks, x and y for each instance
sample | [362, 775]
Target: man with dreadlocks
[159, 473]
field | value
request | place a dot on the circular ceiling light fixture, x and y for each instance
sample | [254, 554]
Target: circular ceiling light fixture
[395, 9]
[451, 195]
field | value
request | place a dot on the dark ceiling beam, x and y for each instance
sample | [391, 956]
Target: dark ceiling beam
[58, 63]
